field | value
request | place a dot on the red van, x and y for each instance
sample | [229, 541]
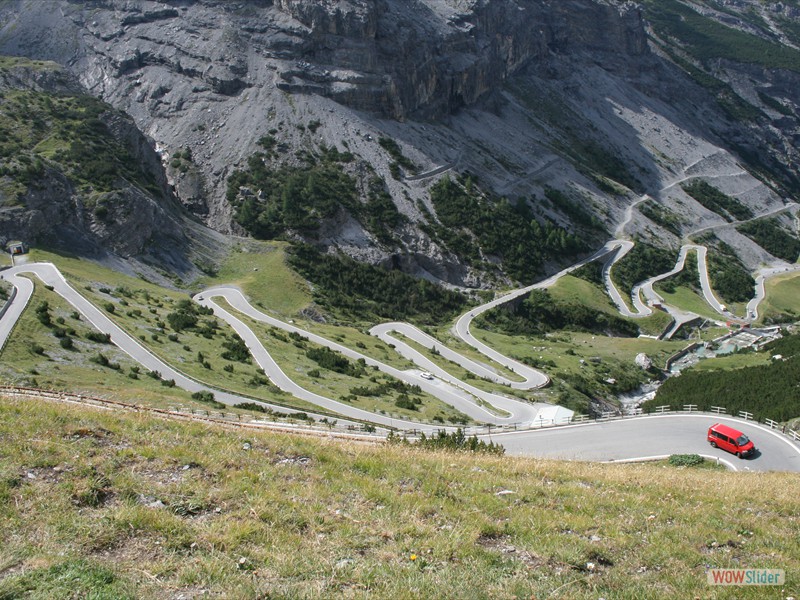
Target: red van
[730, 439]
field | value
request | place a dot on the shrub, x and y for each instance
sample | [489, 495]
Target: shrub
[43, 314]
[456, 441]
[206, 397]
[254, 407]
[686, 460]
[100, 359]
[333, 361]
[100, 338]
[236, 350]
[405, 401]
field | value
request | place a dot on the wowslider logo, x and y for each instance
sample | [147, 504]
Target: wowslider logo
[746, 576]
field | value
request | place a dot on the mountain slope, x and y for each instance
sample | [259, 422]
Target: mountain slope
[77, 175]
[574, 109]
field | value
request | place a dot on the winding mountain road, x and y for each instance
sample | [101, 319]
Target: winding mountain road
[51, 276]
[627, 439]
[653, 436]
[517, 410]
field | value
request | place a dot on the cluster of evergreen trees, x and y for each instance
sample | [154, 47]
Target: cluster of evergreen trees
[364, 291]
[768, 234]
[714, 200]
[539, 313]
[768, 391]
[643, 261]
[728, 275]
[290, 197]
[334, 361]
[186, 315]
[471, 223]
[300, 197]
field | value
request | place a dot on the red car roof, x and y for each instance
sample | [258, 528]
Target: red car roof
[725, 430]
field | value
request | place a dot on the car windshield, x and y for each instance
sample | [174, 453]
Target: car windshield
[742, 440]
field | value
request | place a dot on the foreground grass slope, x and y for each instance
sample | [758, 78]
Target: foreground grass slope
[111, 505]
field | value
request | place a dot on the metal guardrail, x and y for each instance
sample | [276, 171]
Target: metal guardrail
[271, 421]
[7, 303]
[333, 427]
[4, 310]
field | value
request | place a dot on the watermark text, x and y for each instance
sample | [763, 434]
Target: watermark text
[746, 576]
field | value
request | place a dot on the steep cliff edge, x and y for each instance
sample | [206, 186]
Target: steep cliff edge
[440, 56]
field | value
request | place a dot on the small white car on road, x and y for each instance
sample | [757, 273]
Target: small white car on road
[426, 375]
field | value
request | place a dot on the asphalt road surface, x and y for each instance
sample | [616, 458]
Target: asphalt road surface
[645, 437]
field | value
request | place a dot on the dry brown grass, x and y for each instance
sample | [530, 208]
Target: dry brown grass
[120, 505]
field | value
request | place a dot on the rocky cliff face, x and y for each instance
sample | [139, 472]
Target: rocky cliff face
[172, 65]
[581, 96]
[438, 57]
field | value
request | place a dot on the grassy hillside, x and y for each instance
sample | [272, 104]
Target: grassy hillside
[260, 270]
[682, 290]
[780, 303]
[103, 505]
[572, 289]
[199, 345]
[62, 130]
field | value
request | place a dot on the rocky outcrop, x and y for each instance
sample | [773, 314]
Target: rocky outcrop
[131, 224]
[130, 219]
[377, 55]
[381, 56]
[210, 74]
